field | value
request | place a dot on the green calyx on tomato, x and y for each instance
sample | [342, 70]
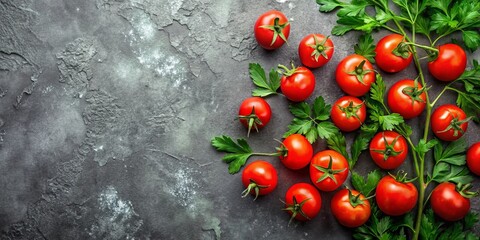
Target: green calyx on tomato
[296, 208]
[351, 110]
[456, 126]
[401, 177]
[359, 72]
[355, 200]
[319, 48]
[389, 150]
[252, 120]
[415, 93]
[463, 189]
[328, 172]
[285, 71]
[402, 50]
[277, 30]
[253, 186]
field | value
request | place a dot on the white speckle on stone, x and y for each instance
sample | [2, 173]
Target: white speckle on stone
[48, 89]
[175, 5]
[96, 149]
[183, 188]
[281, 1]
[291, 5]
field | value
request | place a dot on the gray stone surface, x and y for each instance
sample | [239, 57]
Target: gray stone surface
[107, 109]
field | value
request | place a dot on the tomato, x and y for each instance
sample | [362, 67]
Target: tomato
[388, 149]
[448, 203]
[296, 152]
[392, 54]
[348, 113]
[449, 64]
[350, 208]
[355, 75]
[255, 113]
[302, 201]
[297, 84]
[449, 122]
[259, 178]
[315, 50]
[328, 170]
[473, 158]
[407, 98]
[272, 29]
[394, 197]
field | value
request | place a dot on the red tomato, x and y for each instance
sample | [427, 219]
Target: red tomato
[272, 29]
[388, 149]
[302, 201]
[392, 56]
[473, 158]
[395, 198]
[315, 50]
[448, 203]
[348, 113]
[449, 64]
[407, 98]
[259, 178]
[328, 170]
[296, 152]
[255, 113]
[350, 208]
[449, 122]
[355, 75]
[297, 84]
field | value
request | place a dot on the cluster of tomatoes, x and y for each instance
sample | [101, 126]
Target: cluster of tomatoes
[329, 169]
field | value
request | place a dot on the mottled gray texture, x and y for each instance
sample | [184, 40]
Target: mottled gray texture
[107, 109]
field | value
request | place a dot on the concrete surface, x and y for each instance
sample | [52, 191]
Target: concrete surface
[107, 109]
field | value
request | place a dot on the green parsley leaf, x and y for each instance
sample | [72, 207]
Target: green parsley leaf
[377, 91]
[389, 121]
[264, 87]
[311, 120]
[338, 143]
[444, 172]
[471, 39]
[366, 47]
[423, 146]
[469, 99]
[328, 5]
[237, 153]
[368, 185]
[453, 154]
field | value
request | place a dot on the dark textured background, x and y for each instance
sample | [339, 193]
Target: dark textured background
[107, 109]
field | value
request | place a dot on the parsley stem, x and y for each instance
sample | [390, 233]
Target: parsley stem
[439, 95]
[422, 46]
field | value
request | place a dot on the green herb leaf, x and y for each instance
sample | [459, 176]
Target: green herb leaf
[469, 99]
[368, 185]
[389, 121]
[311, 120]
[338, 143]
[454, 153]
[237, 153]
[424, 146]
[328, 5]
[366, 47]
[471, 39]
[264, 87]
[444, 172]
[377, 90]
[361, 142]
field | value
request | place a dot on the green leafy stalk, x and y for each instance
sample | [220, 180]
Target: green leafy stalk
[264, 87]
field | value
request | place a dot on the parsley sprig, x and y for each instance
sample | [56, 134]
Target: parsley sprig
[264, 87]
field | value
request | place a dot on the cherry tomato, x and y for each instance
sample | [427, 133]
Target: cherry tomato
[392, 54]
[255, 113]
[355, 75]
[348, 113]
[296, 152]
[449, 64]
[407, 98]
[350, 208]
[473, 158]
[259, 178]
[388, 149]
[395, 198]
[272, 29]
[449, 122]
[328, 170]
[448, 203]
[297, 84]
[303, 201]
[315, 50]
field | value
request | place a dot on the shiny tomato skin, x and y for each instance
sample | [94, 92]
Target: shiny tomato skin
[265, 36]
[304, 192]
[442, 117]
[395, 198]
[298, 86]
[473, 158]
[385, 59]
[299, 152]
[348, 82]
[345, 213]
[305, 50]
[263, 174]
[342, 120]
[261, 107]
[448, 203]
[400, 102]
[450, 63]
[400, 149]
[339, 165]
